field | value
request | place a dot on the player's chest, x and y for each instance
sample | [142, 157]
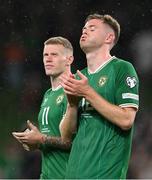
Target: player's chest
[103, 82]
[51, 112]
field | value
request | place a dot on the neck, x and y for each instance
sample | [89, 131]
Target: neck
[96, 58]
[55, 80]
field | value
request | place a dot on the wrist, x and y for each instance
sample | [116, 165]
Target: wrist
[41, 145]
[88, 93]
[72, 106]
[43, 139]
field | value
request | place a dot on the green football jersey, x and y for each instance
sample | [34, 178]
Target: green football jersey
[101, 149]
[53, 107]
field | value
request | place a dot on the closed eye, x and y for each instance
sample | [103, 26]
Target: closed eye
[90, 27]
[54, 54]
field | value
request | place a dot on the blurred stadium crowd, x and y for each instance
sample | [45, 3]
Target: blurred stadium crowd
[24, 26]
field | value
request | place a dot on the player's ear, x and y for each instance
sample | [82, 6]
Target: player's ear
[70, 60]
[110, 38]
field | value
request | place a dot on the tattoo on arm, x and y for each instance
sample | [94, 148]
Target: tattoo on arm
[57, 142]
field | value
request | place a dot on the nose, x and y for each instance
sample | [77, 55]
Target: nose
[48, 59]
[84, 31]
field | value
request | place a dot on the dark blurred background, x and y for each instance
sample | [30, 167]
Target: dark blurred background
[24, 26]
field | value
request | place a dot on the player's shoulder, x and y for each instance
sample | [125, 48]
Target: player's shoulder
[47, 92]
[122, 64]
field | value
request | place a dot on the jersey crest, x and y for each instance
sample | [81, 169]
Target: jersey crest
[59, 99]
[102, 81]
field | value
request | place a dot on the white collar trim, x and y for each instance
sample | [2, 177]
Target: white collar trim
[57, 88]
[101, 66]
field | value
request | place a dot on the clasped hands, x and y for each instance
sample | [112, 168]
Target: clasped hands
[74, 88]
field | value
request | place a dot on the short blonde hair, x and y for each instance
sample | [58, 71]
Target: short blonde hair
[60, 40]
[107, 19]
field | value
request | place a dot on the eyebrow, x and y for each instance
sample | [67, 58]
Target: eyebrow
[90, 26]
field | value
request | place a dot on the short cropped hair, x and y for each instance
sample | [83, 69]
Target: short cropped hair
[61, 41]
[109, 20]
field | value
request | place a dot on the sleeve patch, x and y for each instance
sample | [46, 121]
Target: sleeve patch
[130, 96]
[131, 81]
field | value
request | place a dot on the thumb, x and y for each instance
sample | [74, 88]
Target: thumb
[81, 75]
[30, 125]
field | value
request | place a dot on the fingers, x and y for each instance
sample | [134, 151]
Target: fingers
[30, 125]
[82, 76]
[27, 130]
[26, 147]
[68, 81]
[68, 85]
[17, 138]
[65, 80]
[21, 138]
[68, 92]
[74, 86]
[19, 134]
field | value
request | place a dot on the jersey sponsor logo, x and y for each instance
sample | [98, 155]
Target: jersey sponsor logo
[131, 81]
[59, 99]
[130, 96]
[102, 81]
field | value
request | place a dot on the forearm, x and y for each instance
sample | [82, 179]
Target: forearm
[122, 117]
[68, 125]
[56, 142]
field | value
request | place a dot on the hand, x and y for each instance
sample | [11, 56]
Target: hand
[75, 87]
[26, 130]
[72, 100]
[31, 136]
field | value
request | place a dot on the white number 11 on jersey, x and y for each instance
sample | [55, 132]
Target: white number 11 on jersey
[45, 116]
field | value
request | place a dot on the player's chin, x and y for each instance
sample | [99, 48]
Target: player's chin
[48, 73]
[84, 48]
[84, 45]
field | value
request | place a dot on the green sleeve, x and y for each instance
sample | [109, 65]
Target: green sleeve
[127, 85]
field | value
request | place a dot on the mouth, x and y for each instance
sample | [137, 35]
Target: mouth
[83, 38]
[48, 66]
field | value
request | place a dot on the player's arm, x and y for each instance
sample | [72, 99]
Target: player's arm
[122, 117]
[34, 138]
[68, 125]
[56, 142]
